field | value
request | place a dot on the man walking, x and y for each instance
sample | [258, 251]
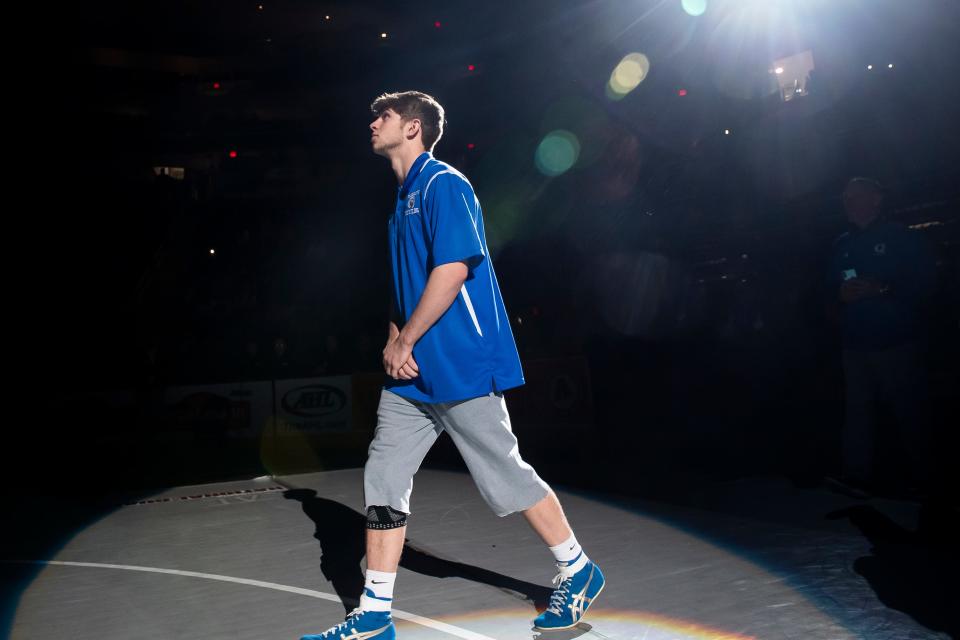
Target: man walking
[449, 356]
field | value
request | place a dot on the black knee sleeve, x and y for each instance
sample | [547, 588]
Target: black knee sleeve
[385, 517]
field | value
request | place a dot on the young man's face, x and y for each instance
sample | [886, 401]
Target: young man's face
[386, 132]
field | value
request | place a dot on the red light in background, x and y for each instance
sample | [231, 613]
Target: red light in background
[437, 24]
[233, 154]
[682, 92]
[216, 85]
[470, 67]
[470, 145]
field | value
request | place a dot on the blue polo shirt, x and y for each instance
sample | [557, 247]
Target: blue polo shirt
[469, 351]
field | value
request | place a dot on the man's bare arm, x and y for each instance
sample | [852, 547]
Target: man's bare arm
[442, 288]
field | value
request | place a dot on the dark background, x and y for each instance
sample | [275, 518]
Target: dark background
[683, 266]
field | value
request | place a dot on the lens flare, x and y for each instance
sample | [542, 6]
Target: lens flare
[627, 75]
[694, 7]
[590, 125]
[557, 152]
[620, 623]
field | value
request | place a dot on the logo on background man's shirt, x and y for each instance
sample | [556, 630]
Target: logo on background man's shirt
[879, 249]
[411, 204]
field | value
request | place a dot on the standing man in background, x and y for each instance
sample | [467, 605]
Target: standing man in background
[883, 273]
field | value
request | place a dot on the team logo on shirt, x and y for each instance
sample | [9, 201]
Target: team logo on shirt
[412, 204]
[879, 249]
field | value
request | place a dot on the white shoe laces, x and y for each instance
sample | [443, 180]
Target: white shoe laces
[343, 624]
[559, 596]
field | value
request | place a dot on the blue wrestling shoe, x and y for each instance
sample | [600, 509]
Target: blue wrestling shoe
[571, 599]
[360, 625]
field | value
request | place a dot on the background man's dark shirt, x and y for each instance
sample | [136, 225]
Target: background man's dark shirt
[897, 257]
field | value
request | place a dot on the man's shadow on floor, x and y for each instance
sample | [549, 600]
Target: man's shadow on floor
[342, 535]
[916, 573]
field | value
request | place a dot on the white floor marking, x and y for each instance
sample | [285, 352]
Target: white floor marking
[466, 634]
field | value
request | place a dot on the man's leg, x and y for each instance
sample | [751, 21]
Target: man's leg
[384, 547]
[402, 438]
[548, 520]
[372, 618]
[405, 432]
[860, 415]
[386, 527]
[903, 380]
[480, 429]
[546, 517]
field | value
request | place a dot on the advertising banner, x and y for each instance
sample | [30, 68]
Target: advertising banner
[240, 409]
[314, 405]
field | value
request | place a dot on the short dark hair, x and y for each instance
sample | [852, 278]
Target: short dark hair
[415, 104]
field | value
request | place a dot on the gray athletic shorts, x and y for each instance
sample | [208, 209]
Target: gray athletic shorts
[480, 429]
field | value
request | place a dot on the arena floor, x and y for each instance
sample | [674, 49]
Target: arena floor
[278, 557]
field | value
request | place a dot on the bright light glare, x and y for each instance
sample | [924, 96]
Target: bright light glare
[627, 75]
[694, 7]
[557, 152]
[779, 70]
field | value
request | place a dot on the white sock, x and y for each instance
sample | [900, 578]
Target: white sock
[570, 556]
[377, 591]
